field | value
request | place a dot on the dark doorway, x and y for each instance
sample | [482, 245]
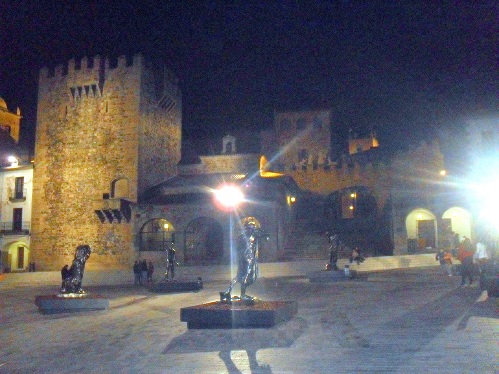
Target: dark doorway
[426, 233]
[20, 257]
[203, 242]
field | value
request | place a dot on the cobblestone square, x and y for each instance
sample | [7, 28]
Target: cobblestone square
[398, 321]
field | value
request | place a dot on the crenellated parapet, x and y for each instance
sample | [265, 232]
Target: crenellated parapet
[86, 77]
[90, 68]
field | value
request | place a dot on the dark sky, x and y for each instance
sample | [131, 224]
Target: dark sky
[407, 70]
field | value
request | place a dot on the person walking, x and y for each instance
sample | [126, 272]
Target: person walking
[445, 259]
[466, 257]
[481, 257]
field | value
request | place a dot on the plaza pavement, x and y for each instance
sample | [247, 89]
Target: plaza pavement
[413, 320]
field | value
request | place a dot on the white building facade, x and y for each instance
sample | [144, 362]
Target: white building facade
[16, 186]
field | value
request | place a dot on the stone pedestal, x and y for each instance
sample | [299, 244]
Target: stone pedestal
[237, 314]
[52, 304]
[176, 286]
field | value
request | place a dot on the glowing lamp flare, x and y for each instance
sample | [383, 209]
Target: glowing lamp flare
[229, 196]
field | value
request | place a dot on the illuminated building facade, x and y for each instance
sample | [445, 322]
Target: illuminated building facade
[107, 130]
[16, 183]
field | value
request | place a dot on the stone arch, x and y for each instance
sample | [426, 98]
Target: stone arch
[120, 188]
[156, 235]
[459, 221]
[421, 225]
[15, 256]
[203, 242]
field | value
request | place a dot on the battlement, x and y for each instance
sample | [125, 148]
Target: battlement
[330, 167]
[90, 69]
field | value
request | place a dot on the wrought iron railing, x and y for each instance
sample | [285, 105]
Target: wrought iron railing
[13, 228]
[18, 195]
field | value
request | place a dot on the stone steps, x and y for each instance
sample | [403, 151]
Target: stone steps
[394, 262]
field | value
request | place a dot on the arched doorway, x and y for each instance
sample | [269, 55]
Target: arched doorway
[15, 256]
[203, 242]
[421, 225]
[457, 220]
[156, 235]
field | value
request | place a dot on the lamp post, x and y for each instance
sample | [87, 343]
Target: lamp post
[227, 198]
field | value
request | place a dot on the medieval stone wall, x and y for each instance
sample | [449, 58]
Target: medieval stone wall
[90, 132]
[244, 163]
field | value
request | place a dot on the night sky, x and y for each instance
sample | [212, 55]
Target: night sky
[409, 70]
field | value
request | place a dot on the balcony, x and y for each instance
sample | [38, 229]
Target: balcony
[15, 228]
[113, 210]
[18, 196]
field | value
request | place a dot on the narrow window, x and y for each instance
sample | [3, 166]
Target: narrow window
[20, 257]
[19, 188]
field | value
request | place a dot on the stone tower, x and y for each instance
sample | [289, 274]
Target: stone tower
[105, 133]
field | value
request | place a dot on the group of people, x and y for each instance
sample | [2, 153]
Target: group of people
[472, 259]
[143, 272]
[335, 243]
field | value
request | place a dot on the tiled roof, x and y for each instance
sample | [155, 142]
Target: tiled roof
[185, 188]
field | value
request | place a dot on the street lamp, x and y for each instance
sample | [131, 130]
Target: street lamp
[14, 162]
[228, 197]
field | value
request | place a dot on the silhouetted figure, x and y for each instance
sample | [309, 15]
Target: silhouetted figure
[150, 271]
[143, 271]
[356, 256]
[136, 273]
[171, 261]
[334, 246]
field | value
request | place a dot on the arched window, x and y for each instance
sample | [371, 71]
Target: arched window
[156, 235]
[120, 188]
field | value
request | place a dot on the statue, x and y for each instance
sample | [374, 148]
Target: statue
[171, 261]
[334, 242]
[72, 278]
[247, 258]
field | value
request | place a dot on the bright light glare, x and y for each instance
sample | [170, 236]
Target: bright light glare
[490, 205]
[485, 193]
[229, 196]
[13, 161]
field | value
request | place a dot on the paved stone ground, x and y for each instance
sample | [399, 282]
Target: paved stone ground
[398, 321]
